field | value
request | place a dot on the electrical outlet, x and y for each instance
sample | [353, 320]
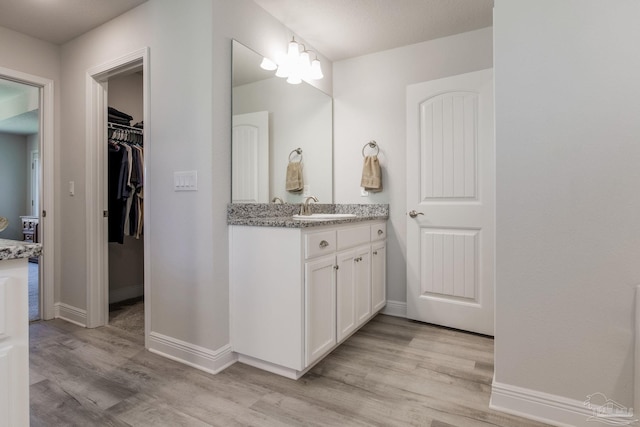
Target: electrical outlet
[306, 190]
[363, 192]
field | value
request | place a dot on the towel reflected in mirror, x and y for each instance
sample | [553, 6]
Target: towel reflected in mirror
[294, 181]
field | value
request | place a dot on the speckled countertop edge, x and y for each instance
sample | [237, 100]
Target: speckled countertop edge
[288, 222]
[13, 249]
[280, 215]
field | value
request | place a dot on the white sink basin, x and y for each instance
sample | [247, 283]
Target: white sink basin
[322, 217]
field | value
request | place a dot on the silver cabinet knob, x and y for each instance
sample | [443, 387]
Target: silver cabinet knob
[414, 214]
[380, 232]
[335, 267]
[324, 244]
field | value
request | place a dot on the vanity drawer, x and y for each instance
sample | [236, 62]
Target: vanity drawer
[353, 236]
[320, 243]
[378, 231]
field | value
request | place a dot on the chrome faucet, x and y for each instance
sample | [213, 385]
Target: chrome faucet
[277, 200]
[305, 207]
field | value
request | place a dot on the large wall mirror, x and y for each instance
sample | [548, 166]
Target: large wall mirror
[272, 119]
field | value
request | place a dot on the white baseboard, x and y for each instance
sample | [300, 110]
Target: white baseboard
[192, 355]
[539, 406]
[123, 294]
[395, 308]
[70, 314]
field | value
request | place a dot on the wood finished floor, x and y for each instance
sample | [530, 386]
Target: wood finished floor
[393, 372]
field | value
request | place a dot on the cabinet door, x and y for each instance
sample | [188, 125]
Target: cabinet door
[378, 275]
[14, 344]
[320, 308]
[346, 293]
[363, 284]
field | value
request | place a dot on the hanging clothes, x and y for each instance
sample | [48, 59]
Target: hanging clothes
[126, 182]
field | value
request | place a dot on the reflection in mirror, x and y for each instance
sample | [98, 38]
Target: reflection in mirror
[271, 118]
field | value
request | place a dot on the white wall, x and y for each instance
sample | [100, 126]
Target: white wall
[13, 183]
[189, 129]
[125, 94]
[186, 295]
[25, 54]
[370, 103]
[568, 195]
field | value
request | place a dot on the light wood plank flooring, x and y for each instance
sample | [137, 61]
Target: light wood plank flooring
[393, 372]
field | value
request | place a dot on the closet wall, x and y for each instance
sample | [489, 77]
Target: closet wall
[126, 261]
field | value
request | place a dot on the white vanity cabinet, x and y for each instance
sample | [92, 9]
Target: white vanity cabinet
[14, 345]
[298, 293]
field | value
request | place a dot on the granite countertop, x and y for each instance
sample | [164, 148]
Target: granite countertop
[288, 222]
[13, 249]
[281, 215]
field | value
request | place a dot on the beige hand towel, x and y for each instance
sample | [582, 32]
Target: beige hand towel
[294, 177]
[371, 174]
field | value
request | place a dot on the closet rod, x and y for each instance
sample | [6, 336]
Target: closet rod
[119, 126]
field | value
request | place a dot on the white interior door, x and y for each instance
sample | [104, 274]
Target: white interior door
[450, 202]
[35, 183]
[250, 158]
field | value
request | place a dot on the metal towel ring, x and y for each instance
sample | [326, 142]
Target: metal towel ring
[371, 144]
[297, 151]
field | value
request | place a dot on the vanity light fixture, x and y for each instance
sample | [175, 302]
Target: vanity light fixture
[296, 65]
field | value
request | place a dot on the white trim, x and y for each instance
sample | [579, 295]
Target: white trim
[636, 382]
[192, 355]
[96, 194]
[395, 308]
[71, 314]
[125, 293]
[539, 406]
[47, 181]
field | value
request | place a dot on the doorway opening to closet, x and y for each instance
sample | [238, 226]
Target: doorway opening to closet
[118, 290]
[125, 190]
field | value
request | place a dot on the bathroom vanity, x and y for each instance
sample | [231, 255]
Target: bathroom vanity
[301, 287]
[14, 330]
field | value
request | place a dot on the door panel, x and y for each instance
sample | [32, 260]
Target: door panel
[450, 186]
[346, 293]
[320, 308]
[250, 158]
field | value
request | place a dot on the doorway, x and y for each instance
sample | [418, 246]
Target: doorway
[26, 177]
[450, 202]
[99, 265]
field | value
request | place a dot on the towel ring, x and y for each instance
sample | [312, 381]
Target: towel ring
[371, 144]
[297, 151]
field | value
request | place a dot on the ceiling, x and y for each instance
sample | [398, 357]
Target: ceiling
[58, 21]
[17, 114]
[341, 29]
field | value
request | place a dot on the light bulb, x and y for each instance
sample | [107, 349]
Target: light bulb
[316, 70]
[268, 64]
[304, 65]
[294, 79]
[283, 70]
[294, 52]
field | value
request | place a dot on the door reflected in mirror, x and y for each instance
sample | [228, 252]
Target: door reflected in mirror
[271, 118]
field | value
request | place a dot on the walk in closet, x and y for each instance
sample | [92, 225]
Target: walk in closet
[125, 144]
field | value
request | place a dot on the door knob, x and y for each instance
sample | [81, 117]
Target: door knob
[414, 214]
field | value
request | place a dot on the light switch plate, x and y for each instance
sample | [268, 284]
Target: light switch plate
[363, 192]
[185, 181]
